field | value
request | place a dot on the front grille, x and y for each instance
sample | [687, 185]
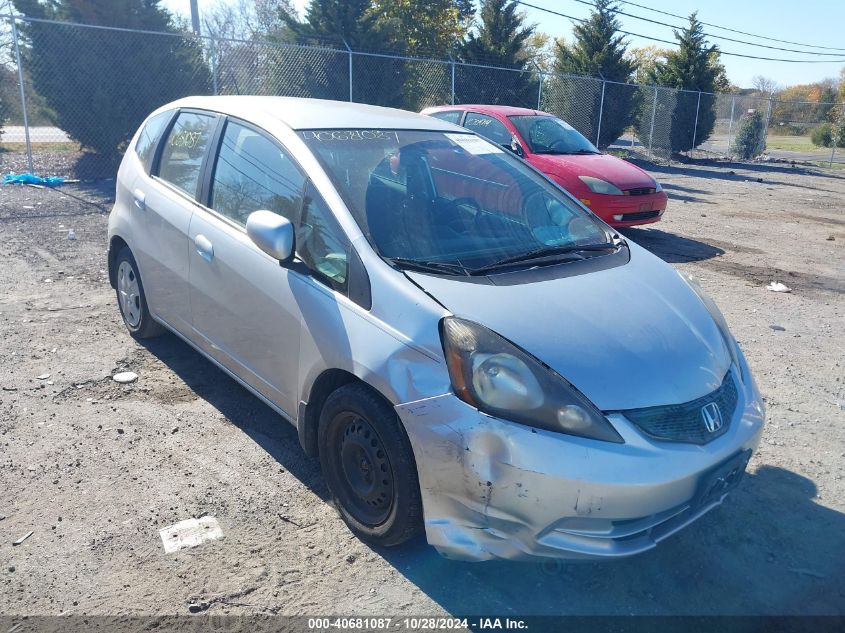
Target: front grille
[685, 422]
[639, 215]
[639, 191]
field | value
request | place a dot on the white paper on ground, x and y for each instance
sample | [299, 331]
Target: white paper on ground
[190, 533]
[776, 286]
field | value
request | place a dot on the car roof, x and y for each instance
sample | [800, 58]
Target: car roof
[303, 114]
[502, 110]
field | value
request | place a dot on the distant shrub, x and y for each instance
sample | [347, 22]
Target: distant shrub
[823, 135]
[750, 138]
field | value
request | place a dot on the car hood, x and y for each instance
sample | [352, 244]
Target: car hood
[610, 168]
[627, 337]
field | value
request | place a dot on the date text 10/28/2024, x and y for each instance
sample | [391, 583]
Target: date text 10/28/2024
[416, 624]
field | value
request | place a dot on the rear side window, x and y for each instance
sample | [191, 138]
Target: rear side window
[253, 173]
[184, 150]
[451, 116]
[148, 138]
[488, 127]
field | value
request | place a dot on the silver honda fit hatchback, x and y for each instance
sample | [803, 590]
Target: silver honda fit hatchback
[467, 350]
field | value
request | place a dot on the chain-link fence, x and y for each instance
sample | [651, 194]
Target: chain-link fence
[60, 107]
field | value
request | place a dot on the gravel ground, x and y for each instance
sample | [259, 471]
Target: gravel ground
[95, 469]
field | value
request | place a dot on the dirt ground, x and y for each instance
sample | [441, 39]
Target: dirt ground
[94, 469]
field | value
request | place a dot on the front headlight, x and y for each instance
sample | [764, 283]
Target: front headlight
[597, 185]
[657, 186]
[495, 376]
[718, 317]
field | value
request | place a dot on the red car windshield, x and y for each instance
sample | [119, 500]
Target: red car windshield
[550, 135]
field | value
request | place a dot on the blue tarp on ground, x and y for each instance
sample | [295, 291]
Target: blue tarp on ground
[32, 179]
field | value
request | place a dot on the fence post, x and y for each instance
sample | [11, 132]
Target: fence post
[768, 120]
[834, 137]
[452, 60]
[214, 65]
[731, 123]
[601, 110]
[653, 115]
[540, 92]
[349, 51]
[22, 89]
[695, 127]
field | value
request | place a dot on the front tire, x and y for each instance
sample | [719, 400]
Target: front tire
[131, 298]
[369, 466]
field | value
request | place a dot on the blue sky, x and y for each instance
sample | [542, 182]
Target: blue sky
[817, 22]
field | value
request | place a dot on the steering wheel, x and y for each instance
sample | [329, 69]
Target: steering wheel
[557, 141]
[458, 217]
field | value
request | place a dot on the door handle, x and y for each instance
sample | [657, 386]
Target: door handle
[140, 199]
[204, 247]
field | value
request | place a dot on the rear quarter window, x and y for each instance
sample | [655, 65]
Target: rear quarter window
[149, 137]
[184, 150]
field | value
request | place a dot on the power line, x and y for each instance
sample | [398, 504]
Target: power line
[725, 28]
[720, 37]
[657, 39]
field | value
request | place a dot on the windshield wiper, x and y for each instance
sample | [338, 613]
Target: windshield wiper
[562, 153]
[546, 251]
[429, 267]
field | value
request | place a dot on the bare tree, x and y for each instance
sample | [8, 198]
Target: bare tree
[245, 19]
[764, 85]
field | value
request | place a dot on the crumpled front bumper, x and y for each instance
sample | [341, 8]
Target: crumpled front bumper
[497, 489]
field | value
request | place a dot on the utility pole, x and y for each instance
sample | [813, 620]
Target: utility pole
[195, 17]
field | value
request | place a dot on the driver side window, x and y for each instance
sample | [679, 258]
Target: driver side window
[320, 242]
[488, 127]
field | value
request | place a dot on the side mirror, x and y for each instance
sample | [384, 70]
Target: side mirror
[516, 147]
[273, 234]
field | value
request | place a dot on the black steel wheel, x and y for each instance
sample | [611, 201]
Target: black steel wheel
[369, 466]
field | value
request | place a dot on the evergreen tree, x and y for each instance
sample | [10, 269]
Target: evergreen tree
[338, 21]
[341, 23]
[499, 41]
[100, 93]
[750, 140]
[599, 50]
[693, 67]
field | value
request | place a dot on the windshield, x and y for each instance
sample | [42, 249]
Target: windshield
[550, 135]
[451, 199]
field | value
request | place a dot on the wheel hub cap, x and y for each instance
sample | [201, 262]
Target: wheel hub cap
[129, 294]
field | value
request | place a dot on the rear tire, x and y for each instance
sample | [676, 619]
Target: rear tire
[369, 466]
[131, 298]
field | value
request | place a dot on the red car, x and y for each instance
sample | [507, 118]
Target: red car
[618, 192]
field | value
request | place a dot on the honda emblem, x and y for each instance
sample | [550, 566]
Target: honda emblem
[712, 417]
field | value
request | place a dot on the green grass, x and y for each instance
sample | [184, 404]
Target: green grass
[791, 143]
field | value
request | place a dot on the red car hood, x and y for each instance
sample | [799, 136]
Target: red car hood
[614, 170]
